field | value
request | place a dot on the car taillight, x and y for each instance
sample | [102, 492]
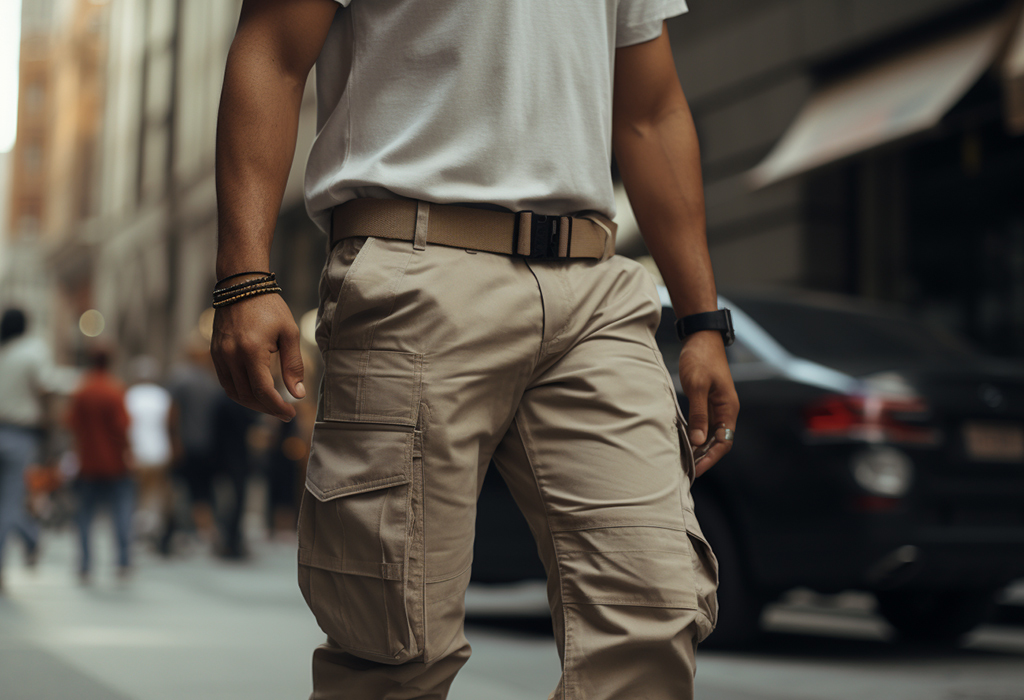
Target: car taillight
[870, 418]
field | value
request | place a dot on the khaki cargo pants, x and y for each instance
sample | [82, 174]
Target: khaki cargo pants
[438, 359]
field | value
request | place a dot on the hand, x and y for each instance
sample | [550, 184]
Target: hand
[707, 383]
[246, 336]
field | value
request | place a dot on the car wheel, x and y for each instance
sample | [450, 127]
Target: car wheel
[739, 603]
[934, 617]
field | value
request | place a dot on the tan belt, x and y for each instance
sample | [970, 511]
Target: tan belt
[524, 233]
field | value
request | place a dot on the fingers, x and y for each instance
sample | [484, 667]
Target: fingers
[725, 414]
[261, 383]
[697, 421]
[291, 362]
[719, 450]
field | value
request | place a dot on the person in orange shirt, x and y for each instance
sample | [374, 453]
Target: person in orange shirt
[99, 422]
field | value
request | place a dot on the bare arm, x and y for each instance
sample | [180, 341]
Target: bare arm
[655, 145]
[275, 46]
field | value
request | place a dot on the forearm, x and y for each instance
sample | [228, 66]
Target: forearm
[659, 159]
[256, 131]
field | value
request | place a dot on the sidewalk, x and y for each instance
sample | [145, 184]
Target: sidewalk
[197, 627]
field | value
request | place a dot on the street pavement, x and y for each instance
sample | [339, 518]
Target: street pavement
[196, 627]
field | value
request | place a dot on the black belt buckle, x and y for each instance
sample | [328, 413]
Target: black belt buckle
[544, 231]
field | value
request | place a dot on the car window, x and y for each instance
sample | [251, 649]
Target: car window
[830, 335]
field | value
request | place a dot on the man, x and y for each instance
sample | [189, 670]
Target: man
[99, 422]
[24, 382]
[470, 308]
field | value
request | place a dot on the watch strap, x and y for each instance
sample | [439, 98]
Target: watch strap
[720, 320]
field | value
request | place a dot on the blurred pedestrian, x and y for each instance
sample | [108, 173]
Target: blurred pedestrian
[286, 450]
[99, 422]
[149, 407]
[25, 366]
[233, 459]
[195, 394]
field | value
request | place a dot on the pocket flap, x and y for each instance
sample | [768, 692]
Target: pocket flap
[376, 386]
[351, 458]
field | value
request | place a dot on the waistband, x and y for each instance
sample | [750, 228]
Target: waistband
[525, 233]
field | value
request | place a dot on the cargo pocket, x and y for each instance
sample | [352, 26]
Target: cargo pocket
[375, 386]
[358, 564]
[705, 573]
[705, 565]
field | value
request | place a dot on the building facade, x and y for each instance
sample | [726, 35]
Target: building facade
[116, 198]
[925, 211]
[52, 189]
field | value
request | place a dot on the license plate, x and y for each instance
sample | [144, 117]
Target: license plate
[994, 442]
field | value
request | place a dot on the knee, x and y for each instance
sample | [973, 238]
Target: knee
[632, 565]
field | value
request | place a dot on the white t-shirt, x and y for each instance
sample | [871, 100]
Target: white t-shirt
[503, 102]
[26, 370]
[148, 406]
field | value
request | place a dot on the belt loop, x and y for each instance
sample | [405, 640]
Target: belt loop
[419, 241]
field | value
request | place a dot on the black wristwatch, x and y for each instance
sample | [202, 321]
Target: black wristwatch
[720, 320]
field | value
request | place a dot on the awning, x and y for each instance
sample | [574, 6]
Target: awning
[1013, 80]
[903, 96]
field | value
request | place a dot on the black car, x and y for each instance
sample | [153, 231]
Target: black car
[872, 453]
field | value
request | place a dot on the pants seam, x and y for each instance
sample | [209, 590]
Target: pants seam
[527, 450]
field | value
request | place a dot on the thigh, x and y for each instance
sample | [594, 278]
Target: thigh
[425, 354]
[599, 463]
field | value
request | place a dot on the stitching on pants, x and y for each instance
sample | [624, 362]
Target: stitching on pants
[543, 321]
[621, 524]
[448, 577]
[383, 584]
[635, 603]
[523, 436]
[569, 297]
[346, 283]
[448, 597]
[620, 551]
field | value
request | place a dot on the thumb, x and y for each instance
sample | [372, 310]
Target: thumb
[698, 419]
[291, 362]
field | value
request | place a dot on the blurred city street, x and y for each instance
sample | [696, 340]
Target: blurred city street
[861, 164]
[193, 627]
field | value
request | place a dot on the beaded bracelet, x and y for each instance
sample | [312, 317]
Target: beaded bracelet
[251, 288]
[244, 285]
[269, 289]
